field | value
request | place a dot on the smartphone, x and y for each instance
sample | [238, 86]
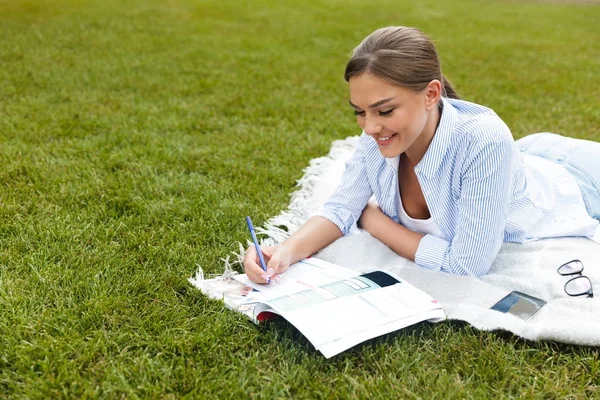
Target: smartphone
[519, 304]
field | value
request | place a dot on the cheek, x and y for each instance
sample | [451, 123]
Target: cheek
[409, 123]
[398, 123]
[422, 121]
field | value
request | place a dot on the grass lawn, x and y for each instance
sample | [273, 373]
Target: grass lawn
[135, 137]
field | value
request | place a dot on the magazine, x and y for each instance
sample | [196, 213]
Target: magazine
[334, 307]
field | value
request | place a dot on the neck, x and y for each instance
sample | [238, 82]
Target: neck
[418, 149]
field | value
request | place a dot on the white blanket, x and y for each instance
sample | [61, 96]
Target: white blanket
[529, 268]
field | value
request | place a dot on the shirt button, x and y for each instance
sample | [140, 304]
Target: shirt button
[417, 169]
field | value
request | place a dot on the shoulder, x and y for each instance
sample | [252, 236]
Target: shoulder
[479, 126]
[483, 141]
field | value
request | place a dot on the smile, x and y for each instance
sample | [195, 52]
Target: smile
[384, 140]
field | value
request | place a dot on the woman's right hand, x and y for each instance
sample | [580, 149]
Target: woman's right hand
[277, 258]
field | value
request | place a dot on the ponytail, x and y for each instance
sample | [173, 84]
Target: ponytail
[447, 89]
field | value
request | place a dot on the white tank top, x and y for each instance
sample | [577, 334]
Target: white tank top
[426, 226]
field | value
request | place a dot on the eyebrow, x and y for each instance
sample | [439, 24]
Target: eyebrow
[374, 105]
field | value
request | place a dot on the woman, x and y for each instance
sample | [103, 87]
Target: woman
[450, 182]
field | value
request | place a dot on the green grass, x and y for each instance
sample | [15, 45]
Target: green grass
[135, 137]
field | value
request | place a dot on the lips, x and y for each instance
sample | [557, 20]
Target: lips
[385, 140]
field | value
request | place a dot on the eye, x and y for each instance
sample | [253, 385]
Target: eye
[386, 112]
[359, 113]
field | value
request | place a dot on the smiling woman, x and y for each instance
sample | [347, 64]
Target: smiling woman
[450, 184]
[395, 122]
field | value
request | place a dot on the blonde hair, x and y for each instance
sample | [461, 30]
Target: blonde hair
[402, 56]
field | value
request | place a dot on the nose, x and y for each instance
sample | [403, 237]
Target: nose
[372, 126]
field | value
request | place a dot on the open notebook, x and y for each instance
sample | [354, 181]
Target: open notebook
[334, 307]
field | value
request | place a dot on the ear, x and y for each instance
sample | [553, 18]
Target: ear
[433, 92]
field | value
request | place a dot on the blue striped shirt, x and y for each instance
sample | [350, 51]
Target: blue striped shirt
[479, 188]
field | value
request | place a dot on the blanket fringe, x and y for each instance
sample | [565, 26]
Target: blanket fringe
[280, 227]
[199, 279]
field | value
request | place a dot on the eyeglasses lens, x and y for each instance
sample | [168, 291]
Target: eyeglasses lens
[578, 286]
[571, 268]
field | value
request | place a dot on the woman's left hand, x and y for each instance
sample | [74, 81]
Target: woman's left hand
[371, 218]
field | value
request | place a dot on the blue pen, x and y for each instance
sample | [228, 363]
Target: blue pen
[260, 256]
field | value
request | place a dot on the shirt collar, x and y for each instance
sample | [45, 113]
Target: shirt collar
[432, 159]
[393, 162]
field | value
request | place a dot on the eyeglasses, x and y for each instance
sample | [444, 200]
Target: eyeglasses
[579, 285]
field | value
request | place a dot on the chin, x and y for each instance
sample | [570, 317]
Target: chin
[390, 152]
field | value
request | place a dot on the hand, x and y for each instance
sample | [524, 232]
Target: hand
[371, 217]
[276, 257]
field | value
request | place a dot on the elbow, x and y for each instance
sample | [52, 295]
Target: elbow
[477, 261]
[476, 269]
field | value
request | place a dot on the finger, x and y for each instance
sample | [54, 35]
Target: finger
[253, 270]
[258, 276]
[282, 268]
[262, 279]
[267, 252]
[273, 265]
[276, 277]
[250, 253]
[266, 256]
[251, 260]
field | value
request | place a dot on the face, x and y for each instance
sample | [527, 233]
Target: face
[393, 115]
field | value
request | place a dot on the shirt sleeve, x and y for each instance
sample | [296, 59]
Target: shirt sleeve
[486, 178]
[345, 206]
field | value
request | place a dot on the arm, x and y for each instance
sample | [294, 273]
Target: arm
[346, 204]
[397, 237]
[315, 234]
[483, 206]
[335, 219]
[486, 178]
